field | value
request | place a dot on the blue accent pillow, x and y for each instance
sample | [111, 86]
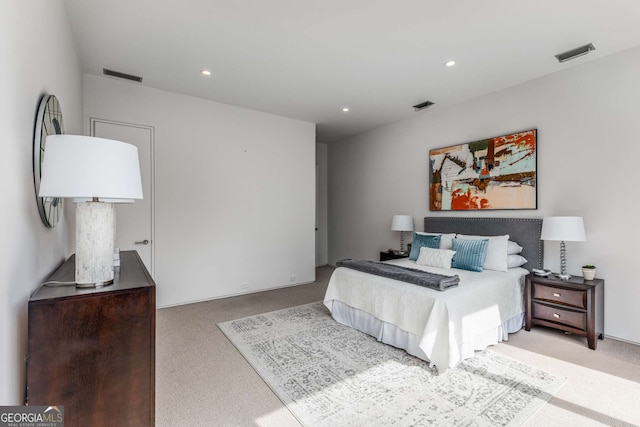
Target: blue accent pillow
[419, 241]
[470, 254]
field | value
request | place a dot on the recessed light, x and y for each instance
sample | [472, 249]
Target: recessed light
[345, 110]
[450, 63]
[205, 72]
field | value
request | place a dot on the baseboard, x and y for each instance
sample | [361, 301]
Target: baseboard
[234, 295]
[621, 339]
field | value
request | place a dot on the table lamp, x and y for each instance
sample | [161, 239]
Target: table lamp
[402, 223]
[96, 173]
[564, 229]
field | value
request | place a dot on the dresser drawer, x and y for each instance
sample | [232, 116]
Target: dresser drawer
[569, 297]
[572, 318]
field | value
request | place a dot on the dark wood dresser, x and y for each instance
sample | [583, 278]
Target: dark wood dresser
[93, 350]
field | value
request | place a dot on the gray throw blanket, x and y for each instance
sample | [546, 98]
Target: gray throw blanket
[438, 282]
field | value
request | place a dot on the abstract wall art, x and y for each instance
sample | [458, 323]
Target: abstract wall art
[489, 174]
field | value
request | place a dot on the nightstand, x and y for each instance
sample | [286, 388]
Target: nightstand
[575, 305]
[387, 255]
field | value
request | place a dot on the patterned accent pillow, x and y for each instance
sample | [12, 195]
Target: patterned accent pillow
[445, 238]
[440, 258]
[470, 253]
[419, 241]
[496, 256]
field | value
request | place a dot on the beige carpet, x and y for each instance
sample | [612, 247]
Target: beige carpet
[201, 379]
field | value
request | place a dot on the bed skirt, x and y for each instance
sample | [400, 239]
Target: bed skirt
[390, 334]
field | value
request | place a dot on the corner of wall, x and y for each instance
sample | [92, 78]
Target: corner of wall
[29, 251]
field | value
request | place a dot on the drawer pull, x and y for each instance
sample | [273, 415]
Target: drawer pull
[556, 315]
[556, 294]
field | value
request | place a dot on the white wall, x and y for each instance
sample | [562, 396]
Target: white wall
[38, 57]
[322, 232]
[588, 153]
[235, 191]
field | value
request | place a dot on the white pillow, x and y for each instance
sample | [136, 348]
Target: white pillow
[440, 258]
[514, 261]
[513, 248]
[445, 240]
[496, 258]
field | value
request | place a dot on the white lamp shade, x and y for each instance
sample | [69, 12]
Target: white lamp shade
[564, 228]
[85, 167]
[402, 223]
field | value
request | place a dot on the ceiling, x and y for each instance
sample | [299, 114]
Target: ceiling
[308, 59]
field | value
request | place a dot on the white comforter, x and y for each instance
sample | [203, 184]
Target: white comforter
[445, 322]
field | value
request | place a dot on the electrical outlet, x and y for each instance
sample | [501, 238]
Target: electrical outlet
[244, 285]
[292, 278]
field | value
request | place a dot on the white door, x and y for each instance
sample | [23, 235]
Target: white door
[134, 221]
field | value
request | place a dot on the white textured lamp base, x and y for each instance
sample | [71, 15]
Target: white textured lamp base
[94, 244]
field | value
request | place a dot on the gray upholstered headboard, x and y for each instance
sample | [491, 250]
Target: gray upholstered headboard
[524, 231]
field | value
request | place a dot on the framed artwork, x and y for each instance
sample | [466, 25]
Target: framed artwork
[489, 174]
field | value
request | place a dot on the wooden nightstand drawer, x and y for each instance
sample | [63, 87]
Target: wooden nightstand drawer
[576, 319]
[573, 298]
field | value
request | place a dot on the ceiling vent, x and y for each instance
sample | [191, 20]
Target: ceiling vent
[423, 105]
[574, 53]
[120, 75]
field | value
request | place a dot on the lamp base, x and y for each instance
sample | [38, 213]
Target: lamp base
[94, 244]
[93, 285]
[563, 275]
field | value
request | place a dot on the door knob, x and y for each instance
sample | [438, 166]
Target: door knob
[142, 242]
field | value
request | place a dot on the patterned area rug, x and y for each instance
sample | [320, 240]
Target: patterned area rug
[332, 375]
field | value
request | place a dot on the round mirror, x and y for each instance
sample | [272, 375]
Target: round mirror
[48, 122]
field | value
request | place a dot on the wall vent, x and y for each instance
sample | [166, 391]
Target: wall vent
[423, 105]
[574, 53]
[118, 74]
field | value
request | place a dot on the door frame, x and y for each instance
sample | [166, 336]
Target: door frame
[152, 184]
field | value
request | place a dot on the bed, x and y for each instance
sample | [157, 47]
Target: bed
[443, 328]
